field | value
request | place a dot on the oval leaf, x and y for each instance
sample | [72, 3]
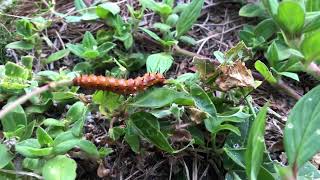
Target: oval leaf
[302, 129]
[60, 167]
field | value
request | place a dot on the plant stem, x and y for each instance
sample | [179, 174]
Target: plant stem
[27, 96]
[314, 70]
[21, 173]
[249, 102]
[287, 89]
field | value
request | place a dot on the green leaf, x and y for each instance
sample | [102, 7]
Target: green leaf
[312, 5]
[303, 128]
[20, 45]
[228, 127]
[14, 119]
[132, 138]
[266, 28]
[189, 16]
[27, 61]
[53, 122]
[161, 8]
[116, 132]
[153, 35]
[271, 6]
[251, 10]
[289, 23]
[172, 20]
[60, 167]
[5, 155]
[161, 97]
[272, 55]
[256, 145]
[108, 100]
[80, 5]
[143, 123]
[202, 100]
[65, 146]
[312, 25]
[162, 27]
[76, 49]
[89, 148]
[77, 111]
[32, 149]
[160, 62]
[24, 28]
[91, 54]
[309, 47]
[43, 137]
[89, 41]
[57, 55]
[291, 75]
[188, 40]
[16, 71]
[264, 71]
[103, 10]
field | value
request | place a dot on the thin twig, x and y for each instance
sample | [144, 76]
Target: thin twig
[27, 96]
[21, 173]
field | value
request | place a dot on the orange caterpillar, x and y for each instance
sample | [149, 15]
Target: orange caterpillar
[119, 86]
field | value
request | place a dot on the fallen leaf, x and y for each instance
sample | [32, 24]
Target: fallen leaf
[235, 75]
[181, 135]
[196, 115]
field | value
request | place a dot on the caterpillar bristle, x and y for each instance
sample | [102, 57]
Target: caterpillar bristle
[120, 86]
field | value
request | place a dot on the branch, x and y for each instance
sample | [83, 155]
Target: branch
[27, 96]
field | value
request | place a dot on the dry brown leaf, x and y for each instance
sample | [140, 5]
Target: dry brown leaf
[181, 135]
[196, 115]
[235, 75]
[102, 171]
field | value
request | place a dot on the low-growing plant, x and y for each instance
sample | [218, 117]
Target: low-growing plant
[287, 41]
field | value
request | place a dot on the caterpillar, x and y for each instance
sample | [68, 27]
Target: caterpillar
[119, 86]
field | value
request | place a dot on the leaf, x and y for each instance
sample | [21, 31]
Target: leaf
[290, 24]
[80, 5]
[273, 55]
[16, 71]
[32, 149]
[57, 55]
[60, 167]
[89, 148]
[189, 16]
[312, 5]
[53, 122]
[153, 35]
[161, 8]
[251, 10]
[290, 75]
[264, 71]
[5, 155]
[160, 62]
[228, 127]
[303, 128]
[161, 97]
[43, 137]
[266, 28]
[77, 111]
[255, 145]
[202, 100]
[76, 49]
[116, 132]
[132, 138]
[104, 9]
[143, 123]
[65, 146]
[89, 41]
[271, 6]
[309, 47]
[15, 118]
[20, 45]
[312, 25]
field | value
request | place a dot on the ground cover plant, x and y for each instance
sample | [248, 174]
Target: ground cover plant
[146, 89]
